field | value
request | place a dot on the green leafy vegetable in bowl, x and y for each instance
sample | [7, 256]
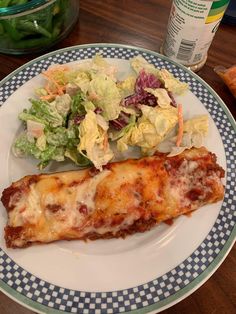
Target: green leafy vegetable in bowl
[33, 25]
[82, 111]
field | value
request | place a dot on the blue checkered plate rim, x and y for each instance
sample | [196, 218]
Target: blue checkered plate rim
[177, 283]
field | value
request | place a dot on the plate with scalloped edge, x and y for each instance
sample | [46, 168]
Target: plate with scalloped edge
[145, 272]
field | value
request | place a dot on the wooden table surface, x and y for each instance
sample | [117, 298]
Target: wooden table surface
[143, 23]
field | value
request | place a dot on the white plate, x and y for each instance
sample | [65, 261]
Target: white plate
[145, 272]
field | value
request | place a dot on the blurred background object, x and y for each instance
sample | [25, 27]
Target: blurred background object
[33, 26]
[228, 75]
[230, 14]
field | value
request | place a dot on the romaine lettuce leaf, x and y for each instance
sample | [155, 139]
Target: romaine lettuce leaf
[47, 112]
[164, 119]
[199, 124]
[77, 103]
[104, 93]
[138, 64]
[150, 129]
[25, 146]
[63, 104]
[94, 140]
[77, 158]
[126, 86]
[57, 136]
[25, 116]
[171, 83]
[195, 130]
[100, 65]
[82, 81]
[41, 142]
[163, 99]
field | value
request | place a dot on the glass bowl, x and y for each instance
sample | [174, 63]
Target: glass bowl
[36, 25]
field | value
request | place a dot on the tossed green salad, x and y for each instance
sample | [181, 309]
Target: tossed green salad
[81, 109]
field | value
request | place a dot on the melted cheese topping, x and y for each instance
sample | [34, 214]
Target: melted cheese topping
[72, 199]
[58, 201]
[75, 204]
[27, 209]
[185, 180]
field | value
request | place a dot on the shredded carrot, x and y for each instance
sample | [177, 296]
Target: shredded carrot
[105, 142]
[56, 84]
[181, 125]
[56, 87]
[47, 88]
[47, 97]
[56, 69]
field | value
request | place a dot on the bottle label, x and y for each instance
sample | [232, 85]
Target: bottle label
[191, 27]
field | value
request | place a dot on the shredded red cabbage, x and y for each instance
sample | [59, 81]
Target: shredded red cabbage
[98, 110]
[144, 80]
[173, 101]
[121, 121]
[78, 118]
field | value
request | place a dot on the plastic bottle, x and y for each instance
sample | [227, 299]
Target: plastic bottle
[191, 27]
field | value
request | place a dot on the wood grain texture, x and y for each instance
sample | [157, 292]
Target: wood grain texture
[143, 23]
